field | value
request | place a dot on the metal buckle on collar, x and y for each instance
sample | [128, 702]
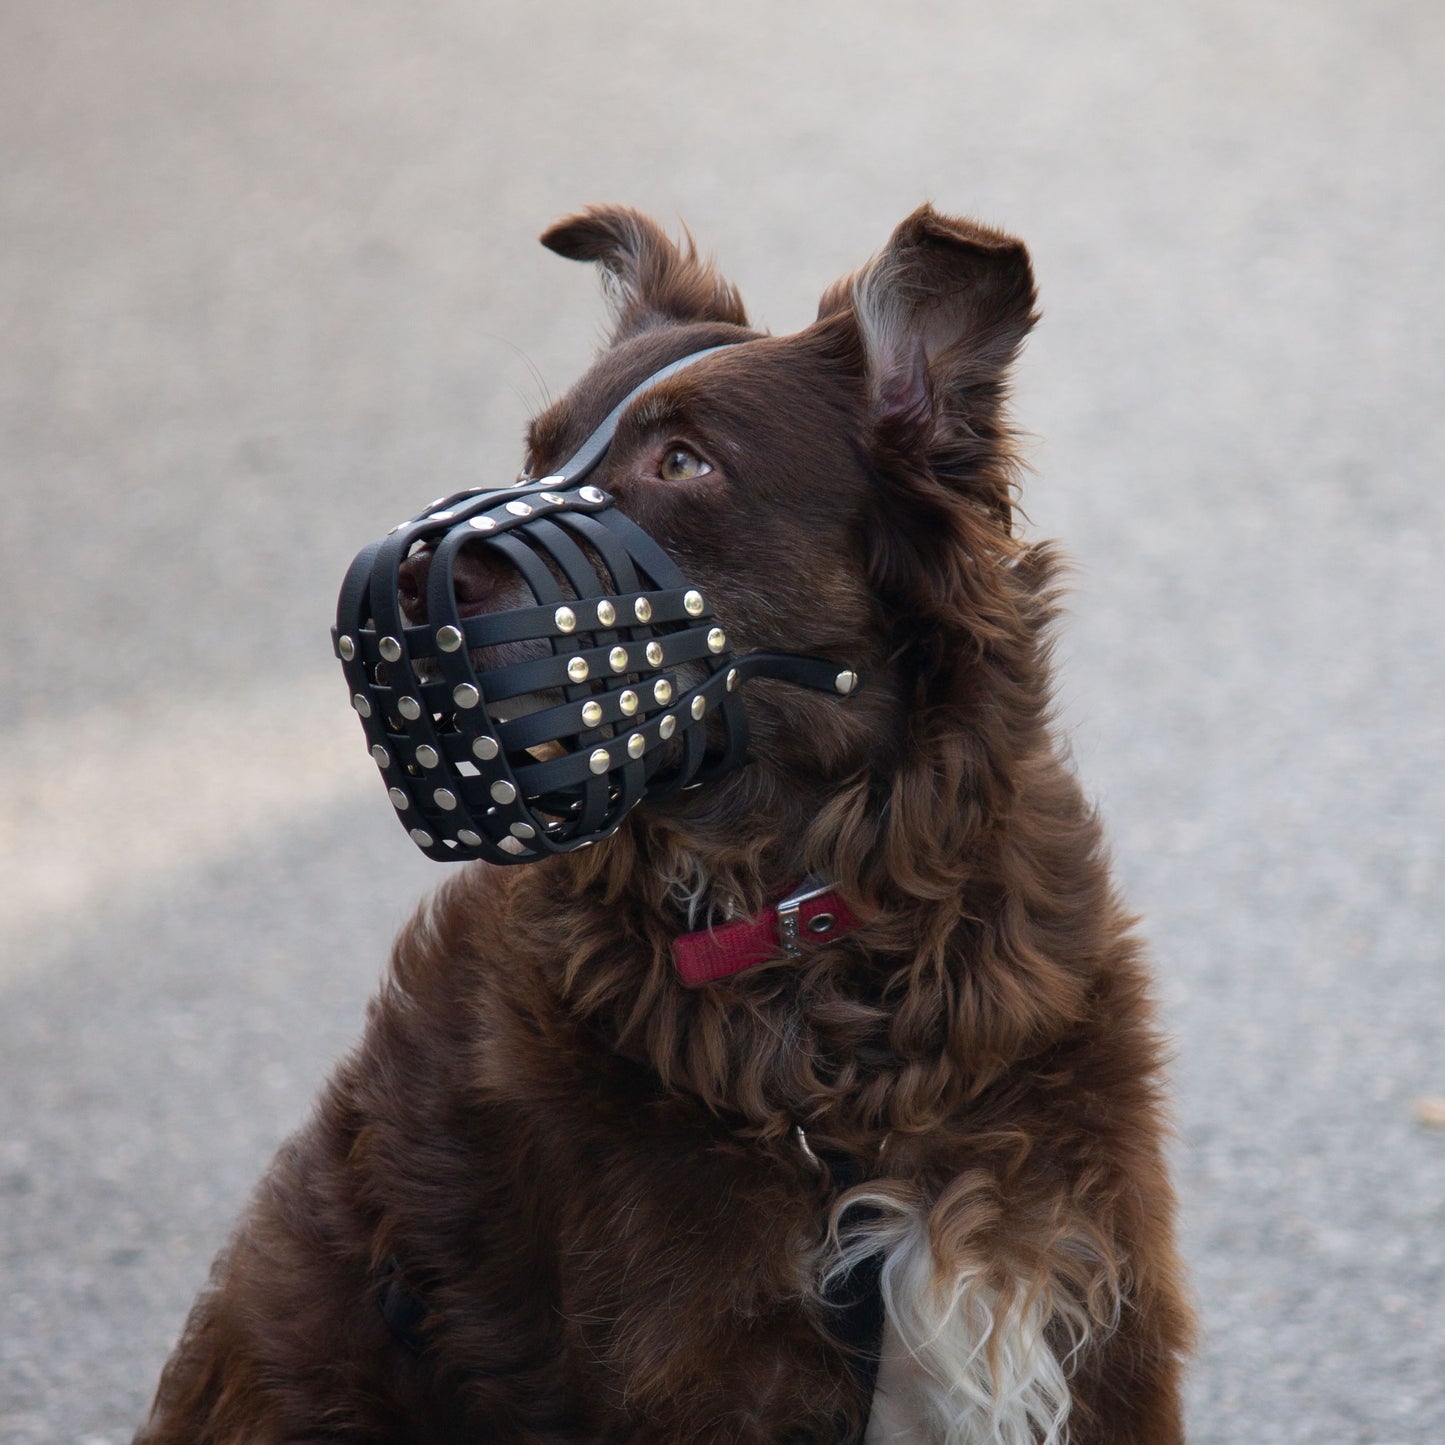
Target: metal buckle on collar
[789, 916]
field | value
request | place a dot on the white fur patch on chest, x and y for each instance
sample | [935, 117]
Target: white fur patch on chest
[965, 1360]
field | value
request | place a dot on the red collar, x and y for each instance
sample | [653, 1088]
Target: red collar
[812, 910]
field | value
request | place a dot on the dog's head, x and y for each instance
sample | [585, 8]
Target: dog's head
[840, 496]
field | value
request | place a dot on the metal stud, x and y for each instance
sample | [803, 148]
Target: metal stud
[555, 498]
[717, 639]
[667, 726]
[486, 748]
[360, 703]
[426, 755]
[519, 509]
[421, 838]
[503, 792]
[556, 479]
[523, 830]
[642, 609]
[606, 613]
[346, 646]
[654, 654]
[636, 745]
[565, 619]
[441, 516]
[821, 922]
[445, 798]
[482, 524]
[449, 638]
[512, 845]
[599, 762]
[627, 701]
[409, 708]
[577, 669]
[591, 494]
[617, 659]
[399, 799]
[472, 840]
[591, 713]
[732, 678]
[662, 691]
[390, 649]
[693, 604]
[846, 681]
[383, 758]
[699, 705]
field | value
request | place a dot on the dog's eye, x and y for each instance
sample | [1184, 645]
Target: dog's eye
[681, 465]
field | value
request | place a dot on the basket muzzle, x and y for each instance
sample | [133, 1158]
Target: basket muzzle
[627, 689]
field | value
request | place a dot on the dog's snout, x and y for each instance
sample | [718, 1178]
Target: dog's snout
[477, 583]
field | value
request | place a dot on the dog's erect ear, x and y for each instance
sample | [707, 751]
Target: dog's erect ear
[942, 311]
[650, 279]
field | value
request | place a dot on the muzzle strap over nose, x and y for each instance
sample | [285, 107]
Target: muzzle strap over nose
[628, 691]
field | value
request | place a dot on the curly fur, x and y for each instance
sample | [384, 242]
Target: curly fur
[589, 1169]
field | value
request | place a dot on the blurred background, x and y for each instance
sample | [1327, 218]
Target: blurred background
[269, 282]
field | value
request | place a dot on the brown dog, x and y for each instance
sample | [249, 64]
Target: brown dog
[558, 1194]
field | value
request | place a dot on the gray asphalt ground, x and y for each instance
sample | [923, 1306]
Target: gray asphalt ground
[268, 282]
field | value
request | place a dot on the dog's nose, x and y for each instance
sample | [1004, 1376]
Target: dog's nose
[474, 584]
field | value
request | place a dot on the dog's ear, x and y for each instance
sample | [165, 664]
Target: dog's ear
[650, 280]
[941, 311]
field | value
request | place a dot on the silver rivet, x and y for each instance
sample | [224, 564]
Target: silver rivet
[617, 659]
[662, 691]
[606, 613]
[390, 649]
[399, 799]
[441, 516]
[449, 638]
[435, 503]
[360, 703]
[523, 830]
[654, 653]
[565, 619]
[426, 755]
[421, 838]
[556, 479]
[821, 922]
[482, 524]
[699, 705]
[512, 845]
[599, 762]
[555, 498]
[717, 639]
[409, 708]
[642, 610]
[383, 758]
[846, 681]
[465, 695]
[667, 726]
[503, 792]
[472, 840]
[591, 713]
[577, 669]
[636, 745]
[627, 701]
[346, 647]
[445, 798]
[693, 603]
[732, 678]
[486, 748]
[591, 494]
[519, 509]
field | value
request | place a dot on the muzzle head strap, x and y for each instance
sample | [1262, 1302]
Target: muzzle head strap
[624, 676]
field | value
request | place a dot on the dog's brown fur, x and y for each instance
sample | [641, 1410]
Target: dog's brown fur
[590, 1170]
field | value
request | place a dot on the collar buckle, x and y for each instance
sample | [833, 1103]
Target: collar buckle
[790, 916]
